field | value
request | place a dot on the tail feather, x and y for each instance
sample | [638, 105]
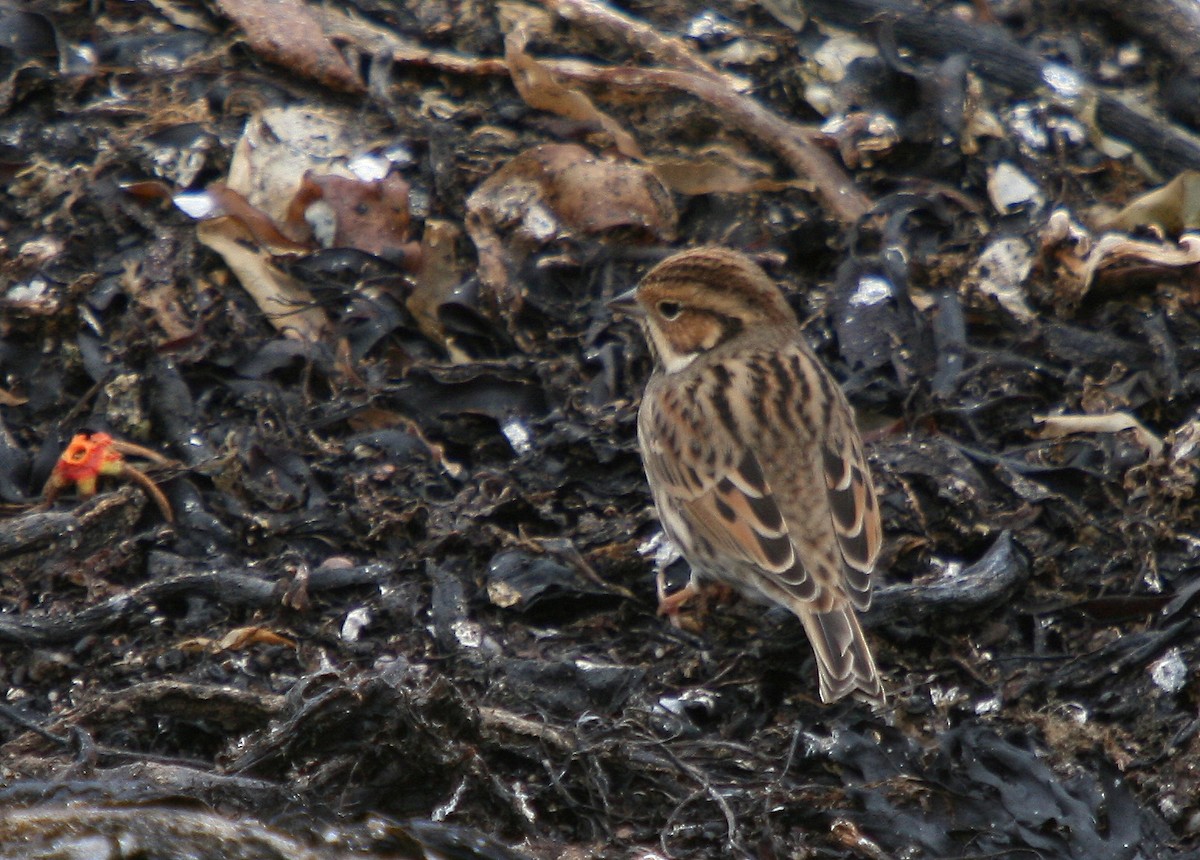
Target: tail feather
[844, 661]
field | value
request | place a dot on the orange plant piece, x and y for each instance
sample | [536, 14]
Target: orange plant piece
[89, 456]
[85, 459]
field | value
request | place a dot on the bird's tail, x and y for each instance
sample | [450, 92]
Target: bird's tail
[844, 661]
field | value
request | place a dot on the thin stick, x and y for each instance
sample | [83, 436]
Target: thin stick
[794, 144]
[152, 490]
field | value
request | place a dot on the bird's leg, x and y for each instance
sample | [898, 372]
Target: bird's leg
[671, 605]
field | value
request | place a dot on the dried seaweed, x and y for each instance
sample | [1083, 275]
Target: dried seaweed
[406, 607]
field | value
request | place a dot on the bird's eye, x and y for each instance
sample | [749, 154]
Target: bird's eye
[669, 310]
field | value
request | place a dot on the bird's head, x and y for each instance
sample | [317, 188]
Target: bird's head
[696, 300]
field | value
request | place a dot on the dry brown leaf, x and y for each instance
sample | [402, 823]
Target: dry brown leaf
[797, 145]
[551, 192]
[1115, 249]
[266, 234]
[287, 305]
[148, 190]
[557, 189]
[719, 170]
[372, 216]
[286, 33]
[1056, 426]
[259, 212]
[540, 90]
[435, 282]
[236, 640]
[593, 195]
[243, 637]
[1174, 207]
[613, 24]
[280, 145]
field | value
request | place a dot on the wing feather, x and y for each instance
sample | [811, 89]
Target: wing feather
[725, 501]
[717, 488]
[854, 509]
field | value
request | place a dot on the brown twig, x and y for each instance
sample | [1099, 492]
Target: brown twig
[143, 480]
[793, 143]
[605, 21]
[376, 40]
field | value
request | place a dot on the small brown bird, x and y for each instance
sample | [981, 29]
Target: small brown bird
[753, 458]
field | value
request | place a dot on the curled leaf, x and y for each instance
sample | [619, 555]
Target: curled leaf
[286, 33]
[1174, 207]
[1055, 426]
[553, 192]
[540, 90]
[368, 215]
[287, 305]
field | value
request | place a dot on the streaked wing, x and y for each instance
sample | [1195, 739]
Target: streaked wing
[854, 508]
[721, 495]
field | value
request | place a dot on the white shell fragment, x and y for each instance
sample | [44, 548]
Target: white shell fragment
[1169, 672]
[1000, 272]
[1065, 82]
[1009, 188]
[871, 290]
[198, 205]
[518, 435]
[356, 621]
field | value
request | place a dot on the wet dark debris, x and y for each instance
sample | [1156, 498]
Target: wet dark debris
[350, 281]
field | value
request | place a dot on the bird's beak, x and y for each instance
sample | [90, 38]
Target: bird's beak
[627, 304]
